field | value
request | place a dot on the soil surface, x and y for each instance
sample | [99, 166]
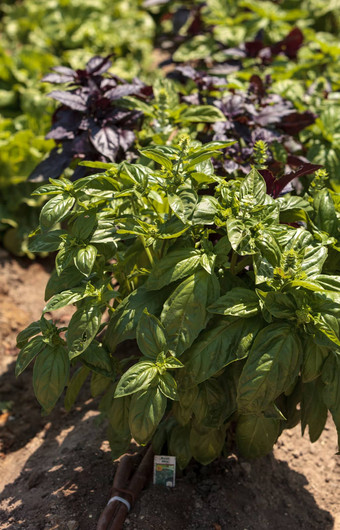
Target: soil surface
[56, 471]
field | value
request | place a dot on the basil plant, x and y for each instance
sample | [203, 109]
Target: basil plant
[206, 311]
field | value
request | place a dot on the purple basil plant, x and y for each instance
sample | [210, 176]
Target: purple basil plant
[90, 124]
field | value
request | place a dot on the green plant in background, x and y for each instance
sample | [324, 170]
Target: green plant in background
[234, 312]
[36, 36]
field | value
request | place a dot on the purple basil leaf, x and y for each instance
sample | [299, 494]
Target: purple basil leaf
[282, 182]
[55, 78]
[226, 68]
[253, 47]
[297, 161]
[269, 179]
[122, 91]
[64, 70]
[126, 139]
[273, 114]
[266, 135]
[290, 44]
[98, 65]
[296, 121]
[81, 172]
[71, 100]
[82, 147]
[65, 124]
[106, 141]
[52, 167]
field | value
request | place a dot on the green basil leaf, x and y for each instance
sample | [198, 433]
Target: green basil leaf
[27, 333]
[325, 214]
[146, 411]
[157, 156]
[184, 313]
[184, 408]
[168, 386]
[183, 202]
[173, 267]
[208, 262]
[205, 211]
[226, 341]
[328, 328]
[138, 377]
[198, 158]
[97, 359]
[65, 298]
[82, 329]
[46, 242]
[240, 237]
[210, 404]
[50, 375]
[64, 259]
[206, 444]
[313, 409]
[119, 430]
[238, 302]
[55, 210]
[85, 259]
[118, 415]
[179, 445]
[256, 435]
[99, 384]
[28, 353]
[279, 305]
[329, 283]
[331, 392]
[74, 386]
[67, 279]
[123, 323]
[172, 362]
[150, 335]
[314, 357]
[267, 245]
[84, 225]
[253, 188]
[201, 114]
[272, 365]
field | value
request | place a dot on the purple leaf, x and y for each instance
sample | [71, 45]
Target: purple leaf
[275, 186]
[64, 70]
[273, 114]
[290, 44]
[65, 124]
[122, 91]
[53, 166]
[98, 65]
[57, 78]
[253, 47]
[126, 139]
[296, 121]
[106, 141]
[71, 100]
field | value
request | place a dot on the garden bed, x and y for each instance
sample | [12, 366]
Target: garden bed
[56, 473]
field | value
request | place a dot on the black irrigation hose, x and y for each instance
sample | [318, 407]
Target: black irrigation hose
[124, 491]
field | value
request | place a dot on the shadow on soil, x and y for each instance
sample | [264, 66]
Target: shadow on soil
[62, 479]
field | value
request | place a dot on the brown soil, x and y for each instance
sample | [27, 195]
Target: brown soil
[56, 472]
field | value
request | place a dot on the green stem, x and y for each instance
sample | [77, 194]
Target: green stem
[233, 262]
[148, 251]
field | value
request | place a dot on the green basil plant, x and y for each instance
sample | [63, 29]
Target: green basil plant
[206, 311]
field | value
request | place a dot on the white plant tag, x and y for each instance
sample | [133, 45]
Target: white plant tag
[164, 470]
